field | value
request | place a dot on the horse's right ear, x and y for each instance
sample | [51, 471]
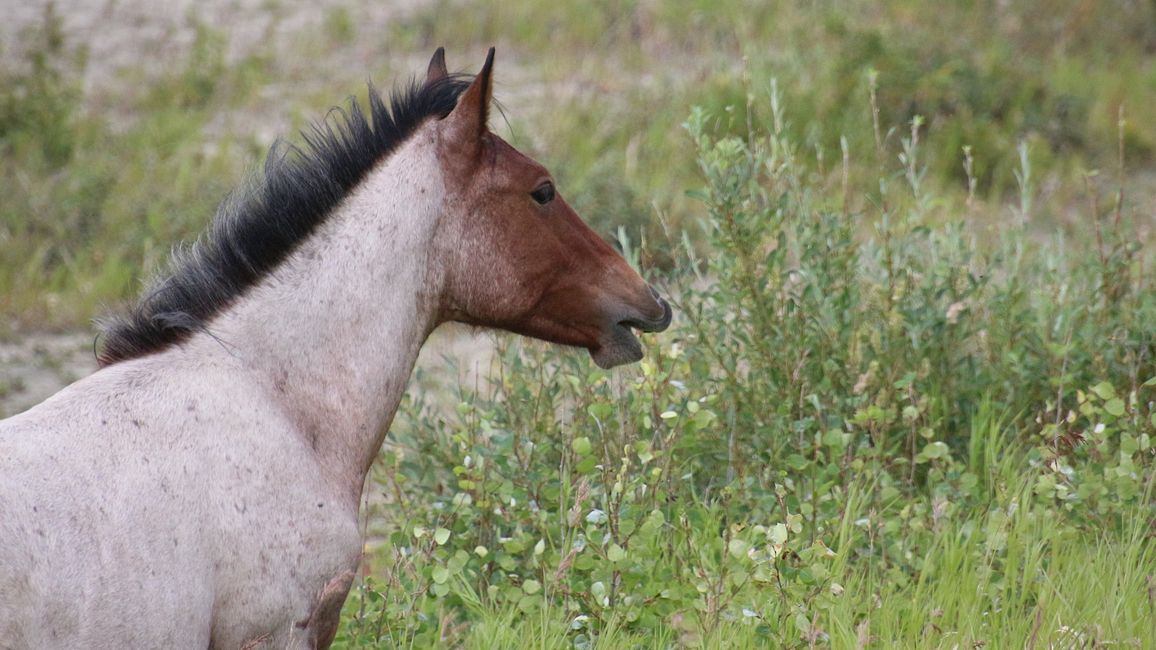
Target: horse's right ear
[468, 119]
[437, 67]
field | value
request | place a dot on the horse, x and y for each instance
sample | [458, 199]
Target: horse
[201, 488]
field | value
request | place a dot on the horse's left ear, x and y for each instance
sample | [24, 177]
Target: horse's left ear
[437, 67]
[468, 119]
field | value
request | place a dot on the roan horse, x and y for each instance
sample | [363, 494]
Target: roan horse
[201, 489]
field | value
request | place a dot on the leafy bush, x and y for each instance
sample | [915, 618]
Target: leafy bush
[852, 406]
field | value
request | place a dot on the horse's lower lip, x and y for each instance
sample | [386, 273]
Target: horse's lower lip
[621, 347]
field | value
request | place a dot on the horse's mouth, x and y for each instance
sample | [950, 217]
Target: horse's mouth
[621, 346]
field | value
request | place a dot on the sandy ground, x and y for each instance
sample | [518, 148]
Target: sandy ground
[126, 43]
[128, 34]
[35, 366]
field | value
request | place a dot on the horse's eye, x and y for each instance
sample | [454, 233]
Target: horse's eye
[544, 194]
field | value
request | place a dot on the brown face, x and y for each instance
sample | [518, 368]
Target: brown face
[524, 261]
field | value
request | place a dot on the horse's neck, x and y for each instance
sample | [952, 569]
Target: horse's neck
[337, 328]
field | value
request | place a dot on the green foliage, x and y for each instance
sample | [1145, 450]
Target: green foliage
[91, 208]
[867, 429]
[38, 104]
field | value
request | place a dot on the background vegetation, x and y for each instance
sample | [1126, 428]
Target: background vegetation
[909, 400]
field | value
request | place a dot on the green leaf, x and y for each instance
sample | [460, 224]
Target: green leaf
[802, 624]
[1104, 390]
[457, 561]
[738, 548]
[1115, 406]
[797, 462]
[642, 448]
[835, 438]
[587, 465]
[581, 446]
[1128, 444]
[795, 523]
[441, 536]
[778, 534]
[531, 586]
[440, 574]
[937, 449]
[600, 410]
[615, 553]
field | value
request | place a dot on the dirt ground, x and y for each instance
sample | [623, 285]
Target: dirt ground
[34, 366]
[127, 34]
[125, 43]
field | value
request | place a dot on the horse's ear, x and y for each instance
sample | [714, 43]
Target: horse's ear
[468, 119]
[437, 67]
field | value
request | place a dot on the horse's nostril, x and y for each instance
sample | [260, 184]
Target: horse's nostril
[667, 315]
[651, 325]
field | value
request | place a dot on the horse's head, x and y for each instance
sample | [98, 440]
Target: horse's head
[518, 257]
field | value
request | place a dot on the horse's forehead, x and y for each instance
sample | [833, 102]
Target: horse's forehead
[511, 163]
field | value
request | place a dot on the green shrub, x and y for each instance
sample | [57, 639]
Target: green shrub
[851, 407]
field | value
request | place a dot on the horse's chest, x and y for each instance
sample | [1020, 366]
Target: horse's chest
[282, 547]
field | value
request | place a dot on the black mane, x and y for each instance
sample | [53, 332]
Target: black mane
[255, 230]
